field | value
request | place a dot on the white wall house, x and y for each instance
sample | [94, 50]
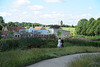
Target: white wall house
[64, 33]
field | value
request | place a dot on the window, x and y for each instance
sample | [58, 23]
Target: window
[18, 35]
[15, 35]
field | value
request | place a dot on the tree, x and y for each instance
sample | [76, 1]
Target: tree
[80, 26]
[11, 24]
[1, 20]
[59, 33]
[89, 25]
[97, 30]
[37, 24]
[91, 30]
[96, 27]
[11, 32]
[73, 26]
[83, 32]
[98, 18]
[1, 26]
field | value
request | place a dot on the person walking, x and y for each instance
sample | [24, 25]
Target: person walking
[62, 45]
[59, 42]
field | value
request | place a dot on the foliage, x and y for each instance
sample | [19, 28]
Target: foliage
[37, 24]
[80, 24]
[87, 37]
[11, 32]
[55, 26]
[31, 42]
[0, 35]
[86, 61]
[81, 42]
[90, 28]
[59, 33]
[1, 26]
[1, 20]
[97, 30]
[8, 44]
[27, 43]
[22, 58]
[79, 36]
[11, 24]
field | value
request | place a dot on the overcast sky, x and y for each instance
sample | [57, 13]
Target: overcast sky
[49, 11]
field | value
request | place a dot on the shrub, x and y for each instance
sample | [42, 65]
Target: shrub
[7, 44]
[79, 42]
[31, 42]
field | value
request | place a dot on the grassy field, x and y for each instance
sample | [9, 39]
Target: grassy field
[86, 61]
[21, 58]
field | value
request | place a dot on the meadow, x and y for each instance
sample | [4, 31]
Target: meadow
[86, 61]
[21, 58]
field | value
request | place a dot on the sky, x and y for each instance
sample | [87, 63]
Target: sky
[49, 11]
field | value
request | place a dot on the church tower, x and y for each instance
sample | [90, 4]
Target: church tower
[60, 22]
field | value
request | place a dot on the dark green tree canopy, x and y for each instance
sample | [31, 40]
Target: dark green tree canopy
[1, 19]
[1, 26]
[80, 25]
[98, 18]
[11, 24]
[91, 20]
[90, 28]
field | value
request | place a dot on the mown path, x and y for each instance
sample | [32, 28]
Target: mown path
[59, 62]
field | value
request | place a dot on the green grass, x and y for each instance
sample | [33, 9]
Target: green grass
[21, 58]
[86, 61]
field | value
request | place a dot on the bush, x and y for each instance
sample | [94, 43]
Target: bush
[31, 42]
[27, 43]
[79, 36]
[7, 44]
[79, 42]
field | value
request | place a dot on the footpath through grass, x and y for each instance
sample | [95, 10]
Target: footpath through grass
[86, 61]
[21, 58]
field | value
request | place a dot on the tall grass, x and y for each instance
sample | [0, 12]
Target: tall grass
[86, 61]
[21, 58]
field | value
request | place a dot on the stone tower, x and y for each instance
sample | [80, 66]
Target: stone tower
[60, 22]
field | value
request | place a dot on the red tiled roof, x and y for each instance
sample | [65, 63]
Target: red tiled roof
[4, 32]
[15, 28]
[39, 28]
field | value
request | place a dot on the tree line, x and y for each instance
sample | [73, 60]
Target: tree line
[25, 24]
[89, 27]
[17, 24]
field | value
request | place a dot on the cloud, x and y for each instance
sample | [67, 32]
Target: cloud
[52, 15]
[37, 12]
[25, 13]
[19, 3]
[90, 8]
[36, 7]
[13, 10]
[5, 14]
[48, 1]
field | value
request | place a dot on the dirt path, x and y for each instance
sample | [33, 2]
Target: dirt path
[59, 62]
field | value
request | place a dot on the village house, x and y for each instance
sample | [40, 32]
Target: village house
[14, 29]
[54, 29]
[37, 31]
